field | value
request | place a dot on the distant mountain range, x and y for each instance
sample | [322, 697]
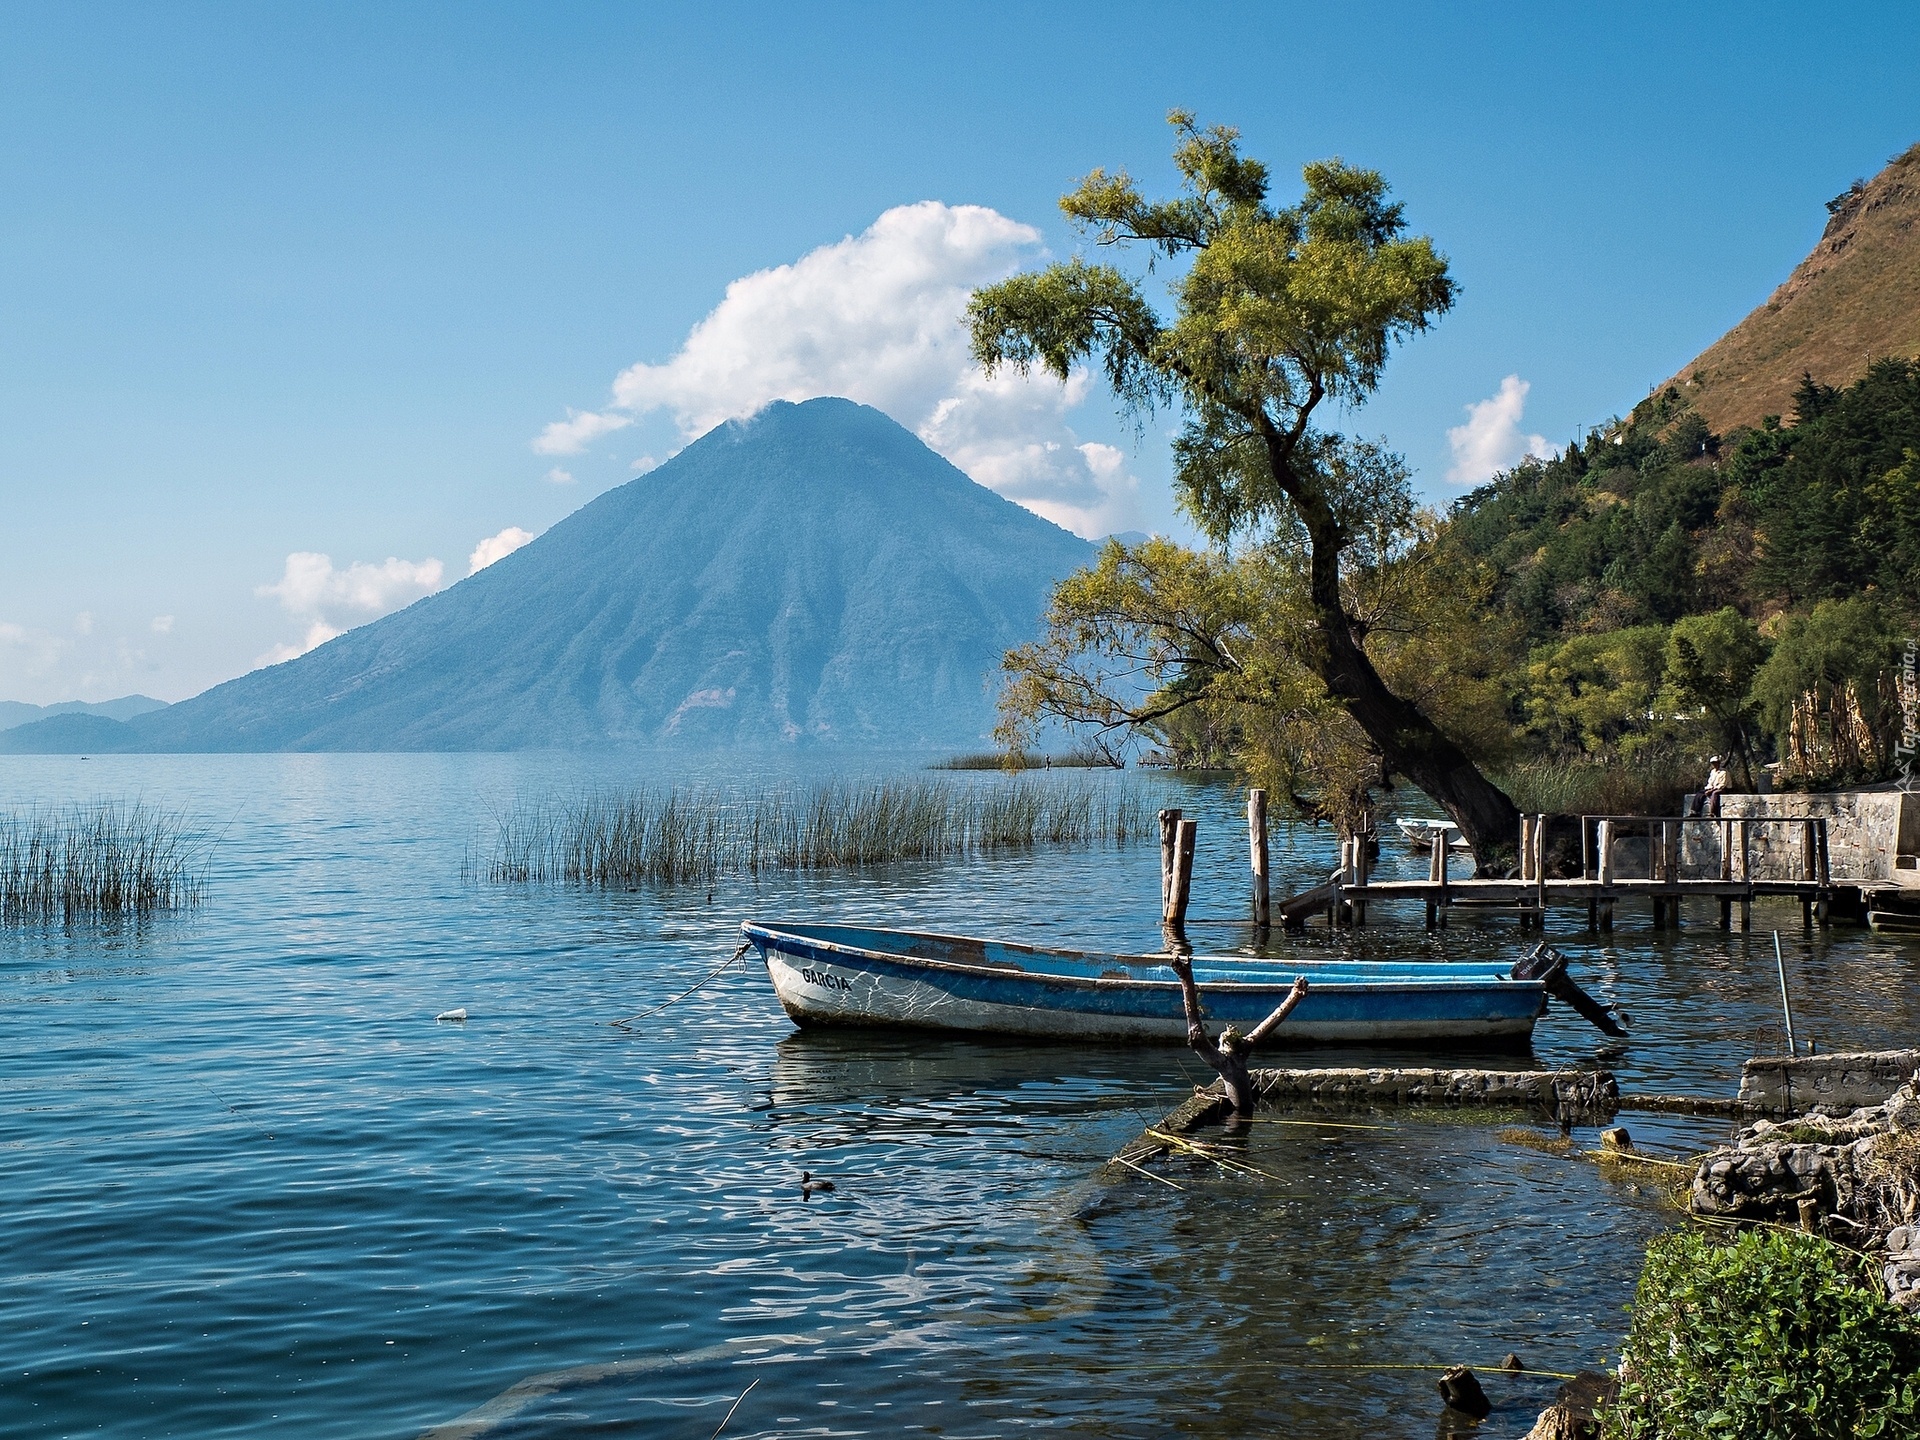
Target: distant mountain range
[1855, 299]
[812, 575]
[15, 713]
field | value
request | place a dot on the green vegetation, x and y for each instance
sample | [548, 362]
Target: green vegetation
[1085, 758]
[1277, 310]
[1678, 591]
[1766, 1336]
[102, 862]
[699, 836]
[1586, 629]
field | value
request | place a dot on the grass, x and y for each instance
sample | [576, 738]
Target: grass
[1025, 760]
[107, 861]
[1581, 787]
[697, 836]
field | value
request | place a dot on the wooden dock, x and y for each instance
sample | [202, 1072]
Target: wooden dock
[1725, 846]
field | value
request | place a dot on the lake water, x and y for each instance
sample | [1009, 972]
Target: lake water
[253, 1187]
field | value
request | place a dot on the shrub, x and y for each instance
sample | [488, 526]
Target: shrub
[1764, 1337]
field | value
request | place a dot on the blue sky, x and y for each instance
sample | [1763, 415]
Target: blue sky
[282, 282]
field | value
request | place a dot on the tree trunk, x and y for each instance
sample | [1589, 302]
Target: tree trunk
[1408, 741]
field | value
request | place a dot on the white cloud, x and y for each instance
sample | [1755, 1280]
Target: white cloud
[557, 476]
[83, 622]
[494, 547]
[644, 464]
[162, 625]
[879, 318]
[12, 634]
[330, 601]
[579, 430]
[1492, 440]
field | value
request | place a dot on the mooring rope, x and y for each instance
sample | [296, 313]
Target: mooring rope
[684, 993]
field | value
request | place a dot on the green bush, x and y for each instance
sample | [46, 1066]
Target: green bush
[1764, 1337]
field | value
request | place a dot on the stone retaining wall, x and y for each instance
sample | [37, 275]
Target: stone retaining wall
[1867, 831]
[1833, 1084]
[1585, 1090]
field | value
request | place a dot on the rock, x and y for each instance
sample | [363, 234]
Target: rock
[1575, 1412]
[1617, 1138]
[1460, 1388]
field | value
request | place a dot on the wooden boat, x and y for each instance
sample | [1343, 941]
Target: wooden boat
[1419, 835]
[854, 975]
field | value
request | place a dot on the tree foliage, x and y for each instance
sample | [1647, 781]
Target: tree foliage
[1277, 310]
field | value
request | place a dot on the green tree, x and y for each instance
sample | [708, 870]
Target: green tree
[1711, 662]
[1828, 693]
[1278, 310]
[1597, 694]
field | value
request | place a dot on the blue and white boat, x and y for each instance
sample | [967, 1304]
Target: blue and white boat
[855, 975]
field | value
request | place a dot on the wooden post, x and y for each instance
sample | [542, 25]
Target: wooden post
[1176, 912]
[1436, 862]
[1169, 840]
[1603, 843]
[1526, 848]
[1726, 849]
[1744, 840]
[1362, 867]
[1586, 852]
[1806, 850]
[1825, 869]
[1440, 850]
[1540, 864]
[1654, 849]
[1257, 843]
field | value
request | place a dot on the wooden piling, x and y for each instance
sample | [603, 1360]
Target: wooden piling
[1604, 844]
[1257, 845]
[1185, 834]
[1169, 833]
[1361, 866]
[1540, 865]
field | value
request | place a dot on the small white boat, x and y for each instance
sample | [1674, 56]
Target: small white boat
[857, 975]
[1419, 835]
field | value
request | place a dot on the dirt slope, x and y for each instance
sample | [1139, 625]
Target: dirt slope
[1855, 298]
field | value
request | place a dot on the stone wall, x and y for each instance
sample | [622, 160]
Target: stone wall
[1867, 830]
[1584, 1091]
[1832, 1084]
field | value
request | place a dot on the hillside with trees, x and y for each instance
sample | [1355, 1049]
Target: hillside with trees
[1578, 635]
[1674, 589]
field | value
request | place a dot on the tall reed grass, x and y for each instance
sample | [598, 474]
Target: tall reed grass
[108, 861]
[700, 835]
[1025, 760]
[1652, 786]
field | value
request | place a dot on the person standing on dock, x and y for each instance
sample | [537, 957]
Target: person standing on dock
[1228, 1055]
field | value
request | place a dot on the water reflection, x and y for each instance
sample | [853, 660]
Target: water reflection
[255, 1187]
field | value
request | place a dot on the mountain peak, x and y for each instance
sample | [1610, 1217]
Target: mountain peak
[1853, 300]
[811, 573]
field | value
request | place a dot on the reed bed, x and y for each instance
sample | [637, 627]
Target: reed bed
[1579, 787]
[1025, 760]
[108, 861]
[700, 835]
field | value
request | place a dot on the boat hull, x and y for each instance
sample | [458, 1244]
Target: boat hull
[1015, 990]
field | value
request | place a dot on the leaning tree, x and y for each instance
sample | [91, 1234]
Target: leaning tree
[1276, 312]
